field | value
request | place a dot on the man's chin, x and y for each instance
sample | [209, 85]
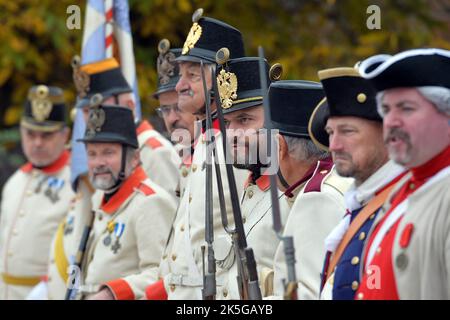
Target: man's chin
[41, 162]
[102, 184]
[344, 171]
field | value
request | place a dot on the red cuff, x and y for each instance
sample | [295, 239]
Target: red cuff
[121, 289]
[156, 291]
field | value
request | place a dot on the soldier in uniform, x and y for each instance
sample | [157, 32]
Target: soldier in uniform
[179, 124]
[309, 181]
[244, 115]
[183, 277]
[348, 125]
[132, 214]
[36, 197]
[406, 255]
[159, 158]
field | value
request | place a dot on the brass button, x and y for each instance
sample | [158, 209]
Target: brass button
[362, 236]
[165, 257]
[360, 296]
[174, 257]
[100, 217]
[250, 194]
[184, 172]
[355, 285]
[244, 219]
[194, 167]
[225, 293]
[378, 250]
[182, 228]
[369, 272]
[372, 217]
[355, 261]
[172, 287]
[412, 186]
[190, 199]
[361, 98]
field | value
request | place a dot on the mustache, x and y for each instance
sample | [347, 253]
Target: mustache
[102, 170]
[344, 155]
[396, 133]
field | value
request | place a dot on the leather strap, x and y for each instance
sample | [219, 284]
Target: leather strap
[373, 205]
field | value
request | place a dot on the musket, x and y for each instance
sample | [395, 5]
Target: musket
[247, 277]
[290, 288]
[80, 256]
[209, 273]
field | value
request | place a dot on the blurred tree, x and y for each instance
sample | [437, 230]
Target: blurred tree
[305, 36]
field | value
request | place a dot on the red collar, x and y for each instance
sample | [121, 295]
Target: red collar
[144, 126]
[433, 166]
[263, 182]
[215, 125]
[51, 169]
[325, 164]
[125, 191]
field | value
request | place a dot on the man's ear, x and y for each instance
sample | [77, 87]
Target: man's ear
[284, 150]
[66, 133]
[131, 104]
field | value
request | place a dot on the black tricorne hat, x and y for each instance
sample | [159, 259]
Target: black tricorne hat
[207, 36]
[291, 105]
[167, 67]
[238, 81]
[109, 123]
[45, 109]
[412, 68]
[347, 95]
[104, 77]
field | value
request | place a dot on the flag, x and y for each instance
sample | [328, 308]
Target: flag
[97, 45]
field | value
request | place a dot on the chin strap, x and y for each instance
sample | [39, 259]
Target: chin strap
[121, 176]
[282, 180]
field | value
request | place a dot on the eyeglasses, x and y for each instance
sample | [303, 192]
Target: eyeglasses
[164, 111]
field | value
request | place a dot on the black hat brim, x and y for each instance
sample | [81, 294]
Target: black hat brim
[317, 123]
[108, 137]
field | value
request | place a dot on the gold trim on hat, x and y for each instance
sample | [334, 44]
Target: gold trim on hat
[166, 64]
[227, 85]
[361, 98]
[47, 126]
[247, 100]
[338, 72]
[311, 119]
[42, 102]
[95, 122]
[192, 38]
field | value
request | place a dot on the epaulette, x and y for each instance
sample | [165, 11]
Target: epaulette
[146, 189]
[322, 171]
[153, 143]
